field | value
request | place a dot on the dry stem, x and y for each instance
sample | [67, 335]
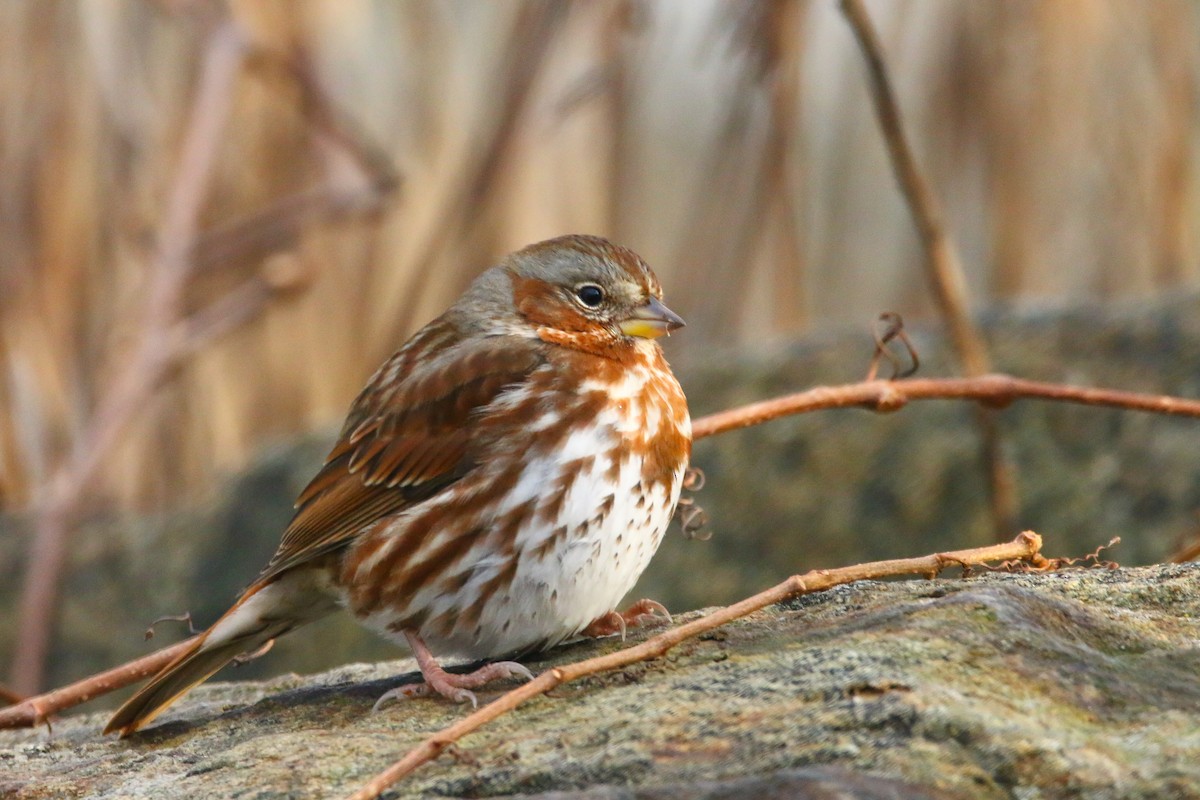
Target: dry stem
[943, 267]
[168, 337]
[995, 391]
[154, 358]
[1026, 546]
[35, 710]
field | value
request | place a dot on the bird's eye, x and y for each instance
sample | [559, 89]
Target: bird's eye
[590, 295]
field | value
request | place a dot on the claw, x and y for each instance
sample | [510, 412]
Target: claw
[652, 609]
[448, 684]
[400, 693]
[636, 615]
[610, 623]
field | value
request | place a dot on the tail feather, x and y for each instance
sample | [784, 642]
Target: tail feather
[193, 667]
[265, 612]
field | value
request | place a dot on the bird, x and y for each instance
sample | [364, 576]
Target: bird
[497, 487]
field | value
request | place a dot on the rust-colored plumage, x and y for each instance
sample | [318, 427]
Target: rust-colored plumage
[498, 486]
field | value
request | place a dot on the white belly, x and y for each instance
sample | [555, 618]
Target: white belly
[570, 570]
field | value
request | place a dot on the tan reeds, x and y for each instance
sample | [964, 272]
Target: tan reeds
[737, 152]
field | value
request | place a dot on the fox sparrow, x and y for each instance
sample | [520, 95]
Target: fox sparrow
[497, 487]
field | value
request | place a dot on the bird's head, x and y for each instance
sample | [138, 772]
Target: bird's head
[588, 290]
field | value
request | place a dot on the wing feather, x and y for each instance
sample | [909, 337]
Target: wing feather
[409, 434]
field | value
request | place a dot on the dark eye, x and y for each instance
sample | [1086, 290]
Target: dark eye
[590, 295]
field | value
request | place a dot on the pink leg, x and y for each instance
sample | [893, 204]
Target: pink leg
[618, 621]
[447, 684]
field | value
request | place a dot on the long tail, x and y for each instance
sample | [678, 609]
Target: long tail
[264, 612]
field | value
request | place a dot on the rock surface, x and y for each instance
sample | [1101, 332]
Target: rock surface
[1084, 683]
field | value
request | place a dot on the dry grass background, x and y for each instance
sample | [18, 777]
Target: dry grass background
[731, 143]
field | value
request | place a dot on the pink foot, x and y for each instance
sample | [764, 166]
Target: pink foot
[447, 684]
[637, 614]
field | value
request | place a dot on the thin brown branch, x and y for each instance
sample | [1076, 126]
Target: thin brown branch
[341, 129]
[1026, 546]
[278, 225]
[993, 391]
[1001, 482]
[943, 266]
[268, 230]
[185, 617]
[151, 364]
[36, 710]
[893, 329]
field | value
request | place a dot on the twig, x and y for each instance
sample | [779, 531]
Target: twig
[943, 266]
[155, 356]
[893, 329]
[277, 226]
[184, 617]
[1091, 561]
[993, 391]
[693, 520]
[1026, 546]
[35, 710]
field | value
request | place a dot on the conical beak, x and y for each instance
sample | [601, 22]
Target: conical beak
[651, 321]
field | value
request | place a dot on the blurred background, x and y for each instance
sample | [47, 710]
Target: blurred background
[216, 219]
